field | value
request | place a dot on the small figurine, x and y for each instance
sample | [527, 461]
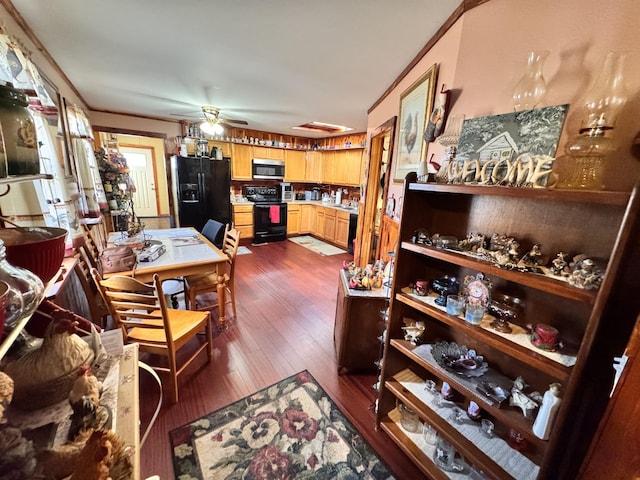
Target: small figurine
[446, 391]
[520, 399]
[472, 243]
[559, 264]
[473, 411]
[585, 273]
[533, 257]
[413, 330]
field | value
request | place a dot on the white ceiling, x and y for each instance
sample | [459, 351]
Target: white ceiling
[275, 63]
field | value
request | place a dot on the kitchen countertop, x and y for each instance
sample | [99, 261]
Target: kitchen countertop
[319, 203]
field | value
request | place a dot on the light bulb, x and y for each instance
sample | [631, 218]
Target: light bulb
[211, 128]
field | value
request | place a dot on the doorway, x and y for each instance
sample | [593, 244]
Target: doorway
[143, 173]
[370, 219]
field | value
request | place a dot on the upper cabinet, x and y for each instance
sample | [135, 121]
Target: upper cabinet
[241, 156]
[294, 165]
[313, 171]
[269, 153]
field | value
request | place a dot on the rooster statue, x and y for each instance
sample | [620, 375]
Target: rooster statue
[85, 402]
[410, 131]
[61, 353]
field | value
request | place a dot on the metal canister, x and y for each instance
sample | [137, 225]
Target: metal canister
[19, 132]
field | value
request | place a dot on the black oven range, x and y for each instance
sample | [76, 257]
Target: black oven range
[269, 213]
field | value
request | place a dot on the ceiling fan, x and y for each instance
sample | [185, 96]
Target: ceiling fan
[212, 123]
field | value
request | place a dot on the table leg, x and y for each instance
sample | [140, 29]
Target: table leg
[222, 321]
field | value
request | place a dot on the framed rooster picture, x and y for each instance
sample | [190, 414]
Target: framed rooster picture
[416, 102]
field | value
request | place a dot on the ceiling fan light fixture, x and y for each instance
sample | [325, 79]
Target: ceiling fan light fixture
[211, 128]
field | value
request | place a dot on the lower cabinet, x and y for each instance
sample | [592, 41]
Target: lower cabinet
[293, 219]
[329, 231]
[243, 220]
[307, 218]
[318, 229]
[342, 229]
[358, 327]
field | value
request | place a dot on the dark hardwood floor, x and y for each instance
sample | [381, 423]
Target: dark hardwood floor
[286, 297]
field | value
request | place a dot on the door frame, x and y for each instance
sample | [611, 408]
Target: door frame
[367, 210]
[152, 152]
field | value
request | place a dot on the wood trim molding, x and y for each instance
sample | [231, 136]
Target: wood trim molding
[126, 131]
[464, 7]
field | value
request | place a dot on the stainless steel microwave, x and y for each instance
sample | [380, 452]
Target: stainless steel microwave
[270, 169]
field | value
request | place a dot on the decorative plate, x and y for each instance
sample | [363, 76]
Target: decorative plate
[459, 359]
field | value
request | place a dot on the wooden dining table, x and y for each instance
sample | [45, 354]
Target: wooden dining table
[186, 252]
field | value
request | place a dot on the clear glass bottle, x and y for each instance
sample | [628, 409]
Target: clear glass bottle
[531, 88]
[28, 285]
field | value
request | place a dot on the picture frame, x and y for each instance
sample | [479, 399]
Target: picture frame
[416, 103]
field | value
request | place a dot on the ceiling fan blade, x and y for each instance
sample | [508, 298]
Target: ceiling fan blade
[229, 120]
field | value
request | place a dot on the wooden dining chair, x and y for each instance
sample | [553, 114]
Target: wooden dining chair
[140, 311]
[213, 231]
[208, 282]
[97, 307]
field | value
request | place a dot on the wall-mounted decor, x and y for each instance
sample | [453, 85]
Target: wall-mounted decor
[496, 143]
[416, 102]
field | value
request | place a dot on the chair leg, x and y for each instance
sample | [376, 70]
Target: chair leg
[209, 333]
[173, 371]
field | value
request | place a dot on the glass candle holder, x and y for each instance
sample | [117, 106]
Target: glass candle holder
[474, 313]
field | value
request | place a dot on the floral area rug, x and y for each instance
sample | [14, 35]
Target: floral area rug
[291, 430]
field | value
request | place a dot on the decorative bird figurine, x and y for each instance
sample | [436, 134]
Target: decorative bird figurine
[85, 402]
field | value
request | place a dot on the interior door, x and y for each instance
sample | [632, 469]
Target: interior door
[143, 173]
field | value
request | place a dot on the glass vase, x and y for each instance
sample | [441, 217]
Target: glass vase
[28, 286]
[531, 87]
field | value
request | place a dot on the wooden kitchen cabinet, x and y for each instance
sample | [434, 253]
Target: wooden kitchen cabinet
[224, 146]
[593, 324]
[307, 218]
[351, 166]
[294, 165]
[269, 153]
[243, 220]
[342, 228]
[358, 327]
[241, 156]
[329, 231]
[327, 166]
[293, 219]
[313, 170]
[318, 229]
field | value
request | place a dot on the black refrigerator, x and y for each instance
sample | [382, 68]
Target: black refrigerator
[200, 190]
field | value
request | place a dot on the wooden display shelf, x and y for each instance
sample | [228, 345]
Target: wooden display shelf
[473, 454]
[579, 196]
[25, 178]
[390, 425]
[532, 280]
[527, 355]
[511, 416]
